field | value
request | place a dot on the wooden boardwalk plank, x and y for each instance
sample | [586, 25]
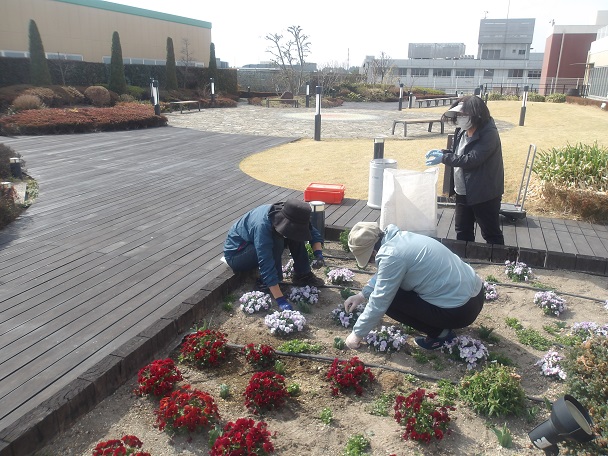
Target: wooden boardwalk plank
[537, 239]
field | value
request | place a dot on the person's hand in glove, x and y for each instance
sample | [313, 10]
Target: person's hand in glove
[433, 157]
[283, 303]
[353, 301]
[319, 261]
[353, 341]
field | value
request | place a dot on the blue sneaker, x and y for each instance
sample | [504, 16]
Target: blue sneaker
[433, 343]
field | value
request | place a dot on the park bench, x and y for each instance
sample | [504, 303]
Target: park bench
[407, 122]
[429, 101]
[286, 98]
[186, 103]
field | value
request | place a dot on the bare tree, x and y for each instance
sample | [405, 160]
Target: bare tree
[289, 55]
[382, 67]
[330, 77]
[187, 59]
[61, 69]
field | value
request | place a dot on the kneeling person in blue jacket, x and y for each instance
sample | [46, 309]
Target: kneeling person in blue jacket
[258, 239]
[419, 282]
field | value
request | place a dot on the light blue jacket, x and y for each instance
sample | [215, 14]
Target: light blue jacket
[416, 263]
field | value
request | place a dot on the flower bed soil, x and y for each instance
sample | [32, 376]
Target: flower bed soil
[297, 427]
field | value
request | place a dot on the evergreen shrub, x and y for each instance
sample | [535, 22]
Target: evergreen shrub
[98, 96]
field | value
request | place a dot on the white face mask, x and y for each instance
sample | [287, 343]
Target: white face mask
[463, 122]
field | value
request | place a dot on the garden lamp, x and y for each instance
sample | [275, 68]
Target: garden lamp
[378, 148]
[308, 94]
[318, 114]
[568, 420]
[524, 100]
[154, 97]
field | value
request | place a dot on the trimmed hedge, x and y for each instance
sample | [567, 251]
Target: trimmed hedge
[126, 116]
[15, 71]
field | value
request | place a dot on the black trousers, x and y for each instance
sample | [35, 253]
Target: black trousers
[410, 309]
[487, 216]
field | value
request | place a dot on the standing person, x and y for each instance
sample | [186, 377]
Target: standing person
[477, 173]
[419, 282]
[258, 239]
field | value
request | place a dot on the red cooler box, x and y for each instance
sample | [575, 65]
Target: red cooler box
[328, 193]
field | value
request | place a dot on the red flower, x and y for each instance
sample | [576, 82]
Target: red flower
[125, 446]
[243, 437]
[259, 356]
[158, 378]
[345, 375]
[422, 417]
[187, 409]
[204, 348]
[265, 390]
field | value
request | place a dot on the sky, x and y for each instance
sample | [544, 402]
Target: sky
[342, 33]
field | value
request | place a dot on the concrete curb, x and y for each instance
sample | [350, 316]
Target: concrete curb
[35, 429]
[501, 253]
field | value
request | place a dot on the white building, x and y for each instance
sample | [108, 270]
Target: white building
[596, 77]
[503, 63]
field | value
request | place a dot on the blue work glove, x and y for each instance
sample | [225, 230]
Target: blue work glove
[319, 261]
[283, 303]
[433, 157]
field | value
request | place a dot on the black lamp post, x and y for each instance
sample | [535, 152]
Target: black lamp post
[212, 90]
[378, 148]
[318, 114]
[154, 98]
[307, 94]
[400, 96]
[524, 100]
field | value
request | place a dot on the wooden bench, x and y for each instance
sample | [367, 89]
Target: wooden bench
[428, 101]
[293, 101]
[407, 122]
[285, 98]
[186, 103]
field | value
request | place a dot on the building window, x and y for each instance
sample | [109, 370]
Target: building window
[516, 74]
[420, 71]
[490, 54]
[402, 71]
[534, 74]
[465, 73]
[488, 73]
[61, 56]
[15, 54]
[522, 52]
[442, 72]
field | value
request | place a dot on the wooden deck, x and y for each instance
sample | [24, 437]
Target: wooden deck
[129, 226]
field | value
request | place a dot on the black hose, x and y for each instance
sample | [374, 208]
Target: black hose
[528, 287]
[327, 359]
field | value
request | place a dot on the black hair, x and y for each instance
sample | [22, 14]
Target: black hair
[474, 107]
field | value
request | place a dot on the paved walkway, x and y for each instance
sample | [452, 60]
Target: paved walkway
[352, 120]
[119, 256]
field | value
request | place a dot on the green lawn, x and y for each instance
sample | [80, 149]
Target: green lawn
[547, 125]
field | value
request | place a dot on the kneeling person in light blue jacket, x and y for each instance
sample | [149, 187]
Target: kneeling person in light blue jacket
[419, 282]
